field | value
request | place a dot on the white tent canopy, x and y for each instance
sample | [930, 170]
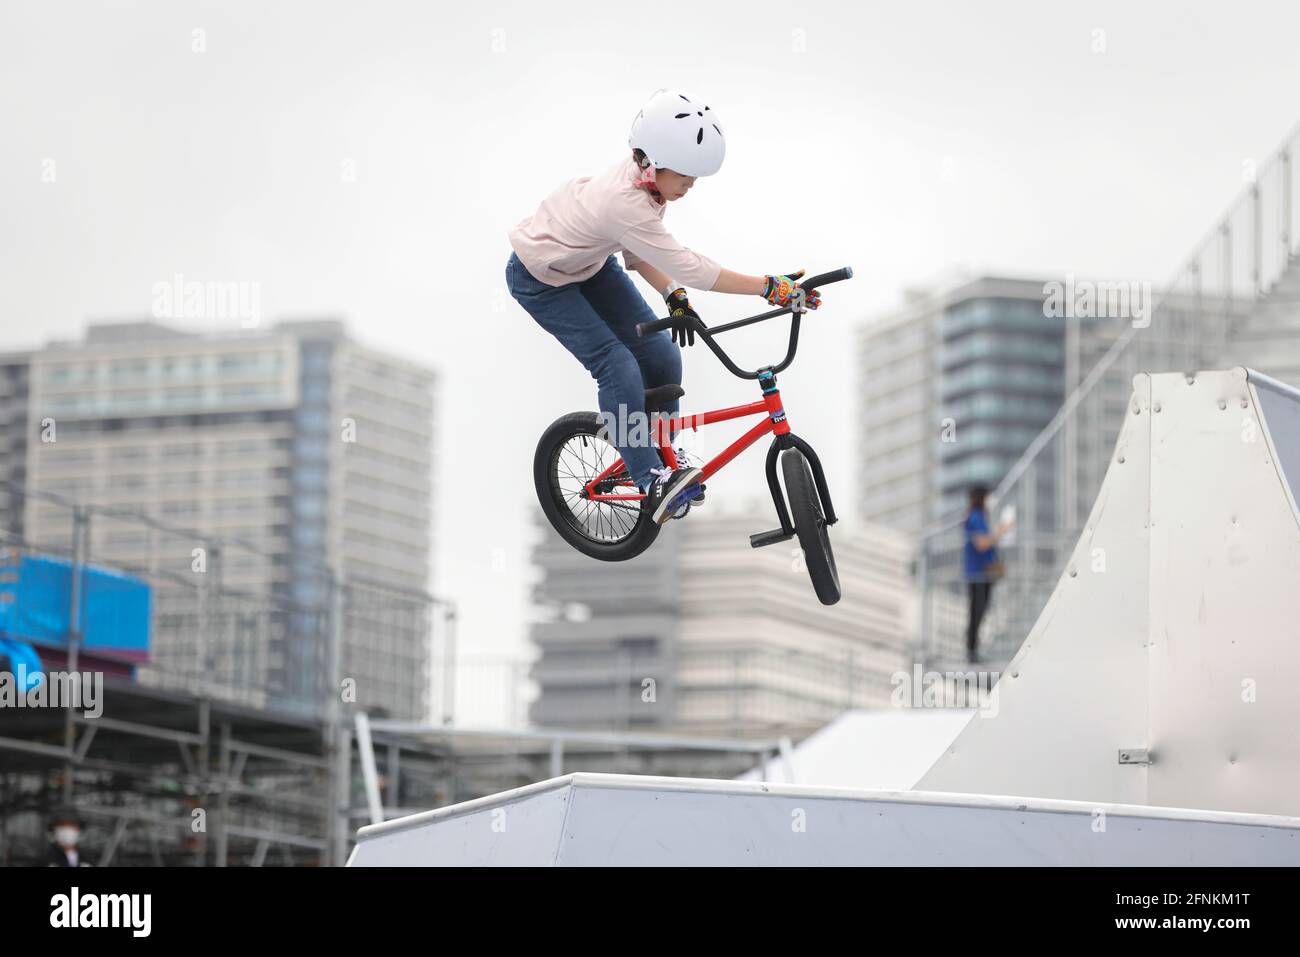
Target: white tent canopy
[888, 749]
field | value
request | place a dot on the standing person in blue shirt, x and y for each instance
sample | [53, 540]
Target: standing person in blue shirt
[983, 565]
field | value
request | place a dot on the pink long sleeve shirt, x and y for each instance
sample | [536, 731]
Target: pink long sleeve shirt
[586, 220]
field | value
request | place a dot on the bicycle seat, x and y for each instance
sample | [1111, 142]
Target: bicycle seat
[661, 395]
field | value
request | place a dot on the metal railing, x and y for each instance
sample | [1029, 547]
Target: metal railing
[1189, 325]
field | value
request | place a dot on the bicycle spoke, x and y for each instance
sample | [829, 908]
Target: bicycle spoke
[577, 464]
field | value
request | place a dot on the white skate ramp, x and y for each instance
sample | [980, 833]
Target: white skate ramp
[609, 819]
[1176, 626]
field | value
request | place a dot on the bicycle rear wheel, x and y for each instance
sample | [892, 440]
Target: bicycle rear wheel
[810, 525]
[569, 455]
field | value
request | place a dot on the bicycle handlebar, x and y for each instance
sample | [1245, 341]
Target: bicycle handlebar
[824, 279]
[707, 333]
[658, 325]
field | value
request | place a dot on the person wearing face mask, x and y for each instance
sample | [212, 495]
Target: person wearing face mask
[64, 833]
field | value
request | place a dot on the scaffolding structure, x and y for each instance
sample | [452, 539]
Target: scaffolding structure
[224, 746]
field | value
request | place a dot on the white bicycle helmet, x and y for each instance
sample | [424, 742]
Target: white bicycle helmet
[679, 132]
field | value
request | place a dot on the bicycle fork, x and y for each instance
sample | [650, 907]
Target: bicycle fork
[782, 439]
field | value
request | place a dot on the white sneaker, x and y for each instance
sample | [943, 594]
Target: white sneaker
[671, 493]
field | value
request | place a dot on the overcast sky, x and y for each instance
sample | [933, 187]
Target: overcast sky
[900, 138]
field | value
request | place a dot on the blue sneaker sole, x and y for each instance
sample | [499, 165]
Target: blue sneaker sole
[670, 504]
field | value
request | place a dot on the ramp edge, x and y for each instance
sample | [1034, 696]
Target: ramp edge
[593, 780]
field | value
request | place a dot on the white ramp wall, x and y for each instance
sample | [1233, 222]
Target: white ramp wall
[1175, 627]
[625, 820]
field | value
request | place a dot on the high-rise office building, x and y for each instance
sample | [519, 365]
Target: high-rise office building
[896, 416]
[703, 633]
[310, 450]
[953, 387]
[13, 441]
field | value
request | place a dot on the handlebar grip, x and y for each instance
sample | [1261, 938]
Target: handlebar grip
[826, 278]
[659, 325]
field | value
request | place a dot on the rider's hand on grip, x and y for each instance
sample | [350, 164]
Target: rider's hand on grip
[784, 290]
[685, 316]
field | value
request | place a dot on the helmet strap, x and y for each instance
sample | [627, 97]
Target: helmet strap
[646, 180]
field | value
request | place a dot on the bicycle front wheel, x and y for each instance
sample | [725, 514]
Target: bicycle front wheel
[810, 525]
[570, 454]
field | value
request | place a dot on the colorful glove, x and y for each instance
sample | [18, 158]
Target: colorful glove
[680, 309]
[782, 291]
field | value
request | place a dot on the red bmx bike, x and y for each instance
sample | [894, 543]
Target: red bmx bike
[592, 502]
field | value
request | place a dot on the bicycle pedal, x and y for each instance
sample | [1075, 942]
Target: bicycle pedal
[775, 536]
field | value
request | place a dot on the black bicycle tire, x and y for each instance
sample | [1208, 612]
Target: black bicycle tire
[810, 526]
[546, 482]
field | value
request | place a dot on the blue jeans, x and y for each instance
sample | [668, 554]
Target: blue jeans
[596, 321]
